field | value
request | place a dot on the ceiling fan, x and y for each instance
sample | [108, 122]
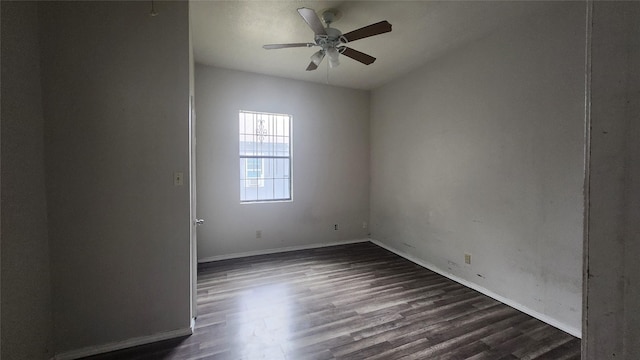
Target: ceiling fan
[330, 39]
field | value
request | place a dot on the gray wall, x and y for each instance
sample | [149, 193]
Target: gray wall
[632, 235]
[330, 163]
[612, 295]
[116, 85]
[26, 288]
[481, 152]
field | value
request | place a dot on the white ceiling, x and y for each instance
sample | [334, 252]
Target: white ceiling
[230, 34]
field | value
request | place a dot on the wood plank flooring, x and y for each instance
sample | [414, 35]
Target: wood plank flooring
[355, 301]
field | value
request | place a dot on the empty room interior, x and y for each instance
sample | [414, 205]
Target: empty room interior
[280, 180]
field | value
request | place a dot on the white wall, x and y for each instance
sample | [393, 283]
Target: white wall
[481, 152]
[26, 288]
[116, 101]
[612, 295]
[330, 163]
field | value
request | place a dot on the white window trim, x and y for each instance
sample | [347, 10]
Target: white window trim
[261, 182]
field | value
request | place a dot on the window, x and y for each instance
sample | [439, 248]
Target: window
[265, 156]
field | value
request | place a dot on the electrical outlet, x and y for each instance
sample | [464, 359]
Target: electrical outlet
[364, 224]
[467, 259]
[335, 227]
[258, 234]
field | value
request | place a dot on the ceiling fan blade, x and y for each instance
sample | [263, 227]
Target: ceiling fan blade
[357, 55]
[312, 19]
[283, 46]
[371, 30]
[312, 66]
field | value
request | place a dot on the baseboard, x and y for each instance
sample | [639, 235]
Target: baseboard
[542, 317]
[101, 349]
[278, 250]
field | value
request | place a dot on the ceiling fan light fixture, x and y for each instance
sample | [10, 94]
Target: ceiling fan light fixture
[333, 57]
[333, 53]
[317, 57]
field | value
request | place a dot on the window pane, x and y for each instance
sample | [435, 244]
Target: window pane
[264, 134]
[247, 191]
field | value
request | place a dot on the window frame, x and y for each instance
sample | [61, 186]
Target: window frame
[288, 173]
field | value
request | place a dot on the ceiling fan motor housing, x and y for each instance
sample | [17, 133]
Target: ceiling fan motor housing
[332, 39]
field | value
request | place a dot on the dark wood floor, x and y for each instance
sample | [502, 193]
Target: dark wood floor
[354, 301]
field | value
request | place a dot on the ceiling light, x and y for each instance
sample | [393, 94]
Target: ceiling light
[333, 57]
[317, 57]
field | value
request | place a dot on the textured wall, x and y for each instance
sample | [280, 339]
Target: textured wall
[481, 152]
[116, 105]
[26, 289]
[612, 322]
[330, 163]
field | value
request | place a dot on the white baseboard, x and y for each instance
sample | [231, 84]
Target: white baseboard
[101, 349]
[278, 250]
[542, 317]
